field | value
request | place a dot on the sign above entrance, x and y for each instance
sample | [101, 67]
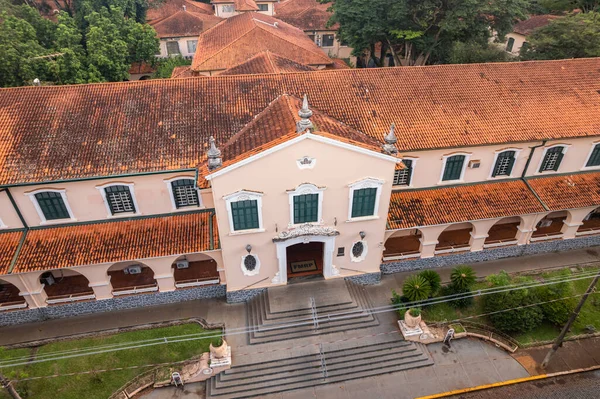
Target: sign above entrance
[306, 229]
[303, 266]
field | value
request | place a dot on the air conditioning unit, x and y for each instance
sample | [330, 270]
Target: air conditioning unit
[545, 223]
[475, 164]
[137, 269]
[182, 264]
[47, 279]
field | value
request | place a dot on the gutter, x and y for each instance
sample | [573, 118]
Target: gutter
[14, 204]
[524, 174]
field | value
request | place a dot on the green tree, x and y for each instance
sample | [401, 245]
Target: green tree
[433, 279]
[416, 288]
[570, 5]
[463, 277]
[419, 32]
[472, 52]
[165, 67]
[574, 36]
[557, 311]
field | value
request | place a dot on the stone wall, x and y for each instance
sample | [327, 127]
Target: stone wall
[490, 254]
[243, 295]
[365, 279]
[107, 305]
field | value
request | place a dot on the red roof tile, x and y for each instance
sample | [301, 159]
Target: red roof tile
[560, 192]
[183, 71]
[115, 241]
[184, 23]
[534, 22]
[267, 62]
[240, 37]
[305, 14]
[78, 131]
[160, 9]
[9, 242]
[245, 5]
[413, 208]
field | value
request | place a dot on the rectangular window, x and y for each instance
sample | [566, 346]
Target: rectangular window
[228, 8]
[504, 164]
[52, 205]
[191, 45]
[306, 208]
[552, 159]
[185, 193]
[263, 7]
[454, 167]
[327, 41]
[245, 215]
[363, 202]
[402, 177]
[173, 48]
[119, 199]
[594, 157]
[510, 44]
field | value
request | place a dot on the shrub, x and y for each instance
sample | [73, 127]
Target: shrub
[434, 280]
[460, 303]
[416, 288]
[414, 312]
[557, 312]
[462, 277]
[399, 301]
[217, 342]
[515, 320]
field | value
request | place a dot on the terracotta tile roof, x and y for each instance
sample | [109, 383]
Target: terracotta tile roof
[245, 5]
[115, 241]
[184, 23]
[183, 71]
[305, 14]
[338, 64]
[412, 208]
[160, 9]
[9, 243]
[534, 22]
[240, 37]
[267, 62]
[141, 67]
[560, 192]
[66, 132]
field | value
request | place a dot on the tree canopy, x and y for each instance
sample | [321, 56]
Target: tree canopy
[419, 32]
[574, 36]
[99, 43]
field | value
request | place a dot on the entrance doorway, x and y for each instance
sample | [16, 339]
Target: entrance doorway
[305, 259]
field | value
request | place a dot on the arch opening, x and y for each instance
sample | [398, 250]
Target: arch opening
[550, 226]
[455, 238]
[403, 245]
[195, 270]
[591, 223]
[9, 297]
[132, 278]
[66, 285]
[503, 232]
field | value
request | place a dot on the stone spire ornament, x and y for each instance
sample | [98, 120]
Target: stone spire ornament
[305, 113]
[214, 155]
[390, 141]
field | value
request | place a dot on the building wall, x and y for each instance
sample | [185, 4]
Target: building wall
[183, 47]
[519, 40]
[86, 202]
[221, 12]
[9, 218]
[278, 172]
[335, 51]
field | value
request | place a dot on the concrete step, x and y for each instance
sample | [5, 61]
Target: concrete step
[346, 364]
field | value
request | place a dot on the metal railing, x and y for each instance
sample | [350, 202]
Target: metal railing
[546, 236]
[500, 243]
[402, 255]
[452, 248]
[67, 298]
[588, 231]
[13, 305]
[197, 282]
[139, 289]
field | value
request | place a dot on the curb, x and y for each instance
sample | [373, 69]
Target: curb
[508, 382]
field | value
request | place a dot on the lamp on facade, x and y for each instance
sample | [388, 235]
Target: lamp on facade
[249, 248]
[362, 235]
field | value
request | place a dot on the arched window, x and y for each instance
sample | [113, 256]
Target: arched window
[184, 193]
[454, 167]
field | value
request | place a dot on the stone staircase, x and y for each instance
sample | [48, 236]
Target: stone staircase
[328, 363]
[312, 319]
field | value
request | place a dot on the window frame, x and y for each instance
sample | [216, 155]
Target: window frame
[262, 4]
[410, 180]
[368, 182]
[543, 157]
[445, 158]
[332, 40]
[169, 184]
[512, 45]
[39, 210]
[187, 42]
[227, 8]
[497, 153]
[107, 205]
[167, 47]
[304, 189]
[595, 144]
[244, 195]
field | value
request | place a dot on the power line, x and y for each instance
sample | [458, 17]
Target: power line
[293, 347]
[60, 355]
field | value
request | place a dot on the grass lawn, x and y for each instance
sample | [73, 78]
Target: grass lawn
[589, 315]
[99, 385]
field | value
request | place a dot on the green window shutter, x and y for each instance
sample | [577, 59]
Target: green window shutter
[306, 208]
[552, 159]
[454, 167]
[185, 193]
[245, 215]
[594, 157]
[363, 202]
[504, 164]
[119, 199]
[402, 177]
[52, 205]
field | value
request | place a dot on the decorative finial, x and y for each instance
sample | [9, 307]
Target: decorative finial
[305, 113]
[390, 139]
[214, 155]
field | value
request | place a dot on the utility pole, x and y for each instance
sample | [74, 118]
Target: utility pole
[561, 337]
[6, 383]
